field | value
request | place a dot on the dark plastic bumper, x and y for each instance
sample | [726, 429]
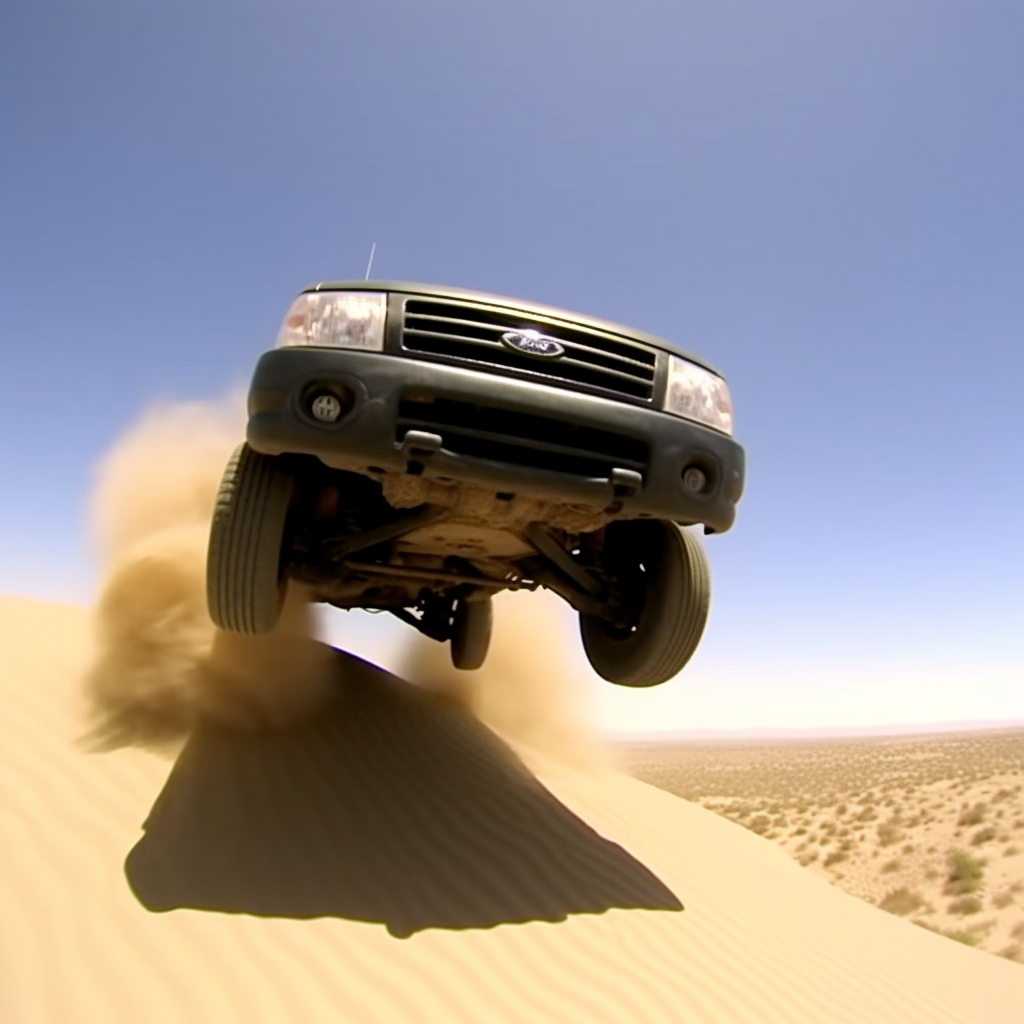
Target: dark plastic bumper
[280, 422]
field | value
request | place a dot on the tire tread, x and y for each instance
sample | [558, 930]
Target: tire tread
[668, 636]
[244, 589]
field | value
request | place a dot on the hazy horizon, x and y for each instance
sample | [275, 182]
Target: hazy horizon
[903, 729]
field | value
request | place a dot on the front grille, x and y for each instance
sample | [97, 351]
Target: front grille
[469, 334]
[521, 439]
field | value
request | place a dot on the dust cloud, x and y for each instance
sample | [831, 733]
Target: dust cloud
[532, 689]
[162, 667]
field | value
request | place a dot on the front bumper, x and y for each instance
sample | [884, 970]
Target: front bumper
[473, 428]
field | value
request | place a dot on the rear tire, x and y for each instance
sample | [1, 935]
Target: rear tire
[471, 635]
[245, 586]
[667, 574]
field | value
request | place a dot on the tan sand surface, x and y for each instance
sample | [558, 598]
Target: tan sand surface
[394, 860]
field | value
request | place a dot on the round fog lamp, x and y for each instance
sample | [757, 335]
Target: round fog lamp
[694, 479]
[325, 408]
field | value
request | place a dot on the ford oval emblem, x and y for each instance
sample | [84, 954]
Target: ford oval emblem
[533, 343]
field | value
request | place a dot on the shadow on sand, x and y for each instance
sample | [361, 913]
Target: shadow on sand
[394, 807]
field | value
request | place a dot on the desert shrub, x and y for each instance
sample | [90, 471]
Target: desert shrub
[964, 873]
[889, 832]
[809, 858]
[908, 848]
[901, 901]
[1014, 952]
[1011, 851]
[759, 824]
[972, 815]
[801, 831]
[890, 866]
[968, 936]
[965, 905]
[983, 835]
[1002, 899]
[835, 857]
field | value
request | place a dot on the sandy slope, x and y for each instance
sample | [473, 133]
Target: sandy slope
[394, 861]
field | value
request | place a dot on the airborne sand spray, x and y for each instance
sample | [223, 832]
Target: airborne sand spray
[162, 667]
[531, 689]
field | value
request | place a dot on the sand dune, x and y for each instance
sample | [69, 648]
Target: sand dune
[394, 860]
[318, 840]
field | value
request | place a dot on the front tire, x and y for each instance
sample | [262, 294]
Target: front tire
[245, 585]
[667, 578]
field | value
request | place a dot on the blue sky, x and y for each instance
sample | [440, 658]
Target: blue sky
[825, 200]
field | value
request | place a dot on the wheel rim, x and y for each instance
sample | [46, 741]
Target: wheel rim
[670, 623]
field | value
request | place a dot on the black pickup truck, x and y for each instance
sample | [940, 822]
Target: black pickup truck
[417, 449]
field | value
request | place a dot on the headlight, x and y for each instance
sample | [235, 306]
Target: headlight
[697, 394]
[336, 320]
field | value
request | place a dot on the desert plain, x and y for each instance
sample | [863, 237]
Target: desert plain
[929, 827]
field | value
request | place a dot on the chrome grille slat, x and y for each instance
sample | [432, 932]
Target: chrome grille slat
[497, 347]
[466, 333]
[573, 346]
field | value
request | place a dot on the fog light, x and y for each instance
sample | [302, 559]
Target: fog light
[694, 479]
[326, 408]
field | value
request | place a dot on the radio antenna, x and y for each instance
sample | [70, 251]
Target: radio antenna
[369, 263]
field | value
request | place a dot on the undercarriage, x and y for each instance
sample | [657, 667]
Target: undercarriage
[414, 547]
[434, 554]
